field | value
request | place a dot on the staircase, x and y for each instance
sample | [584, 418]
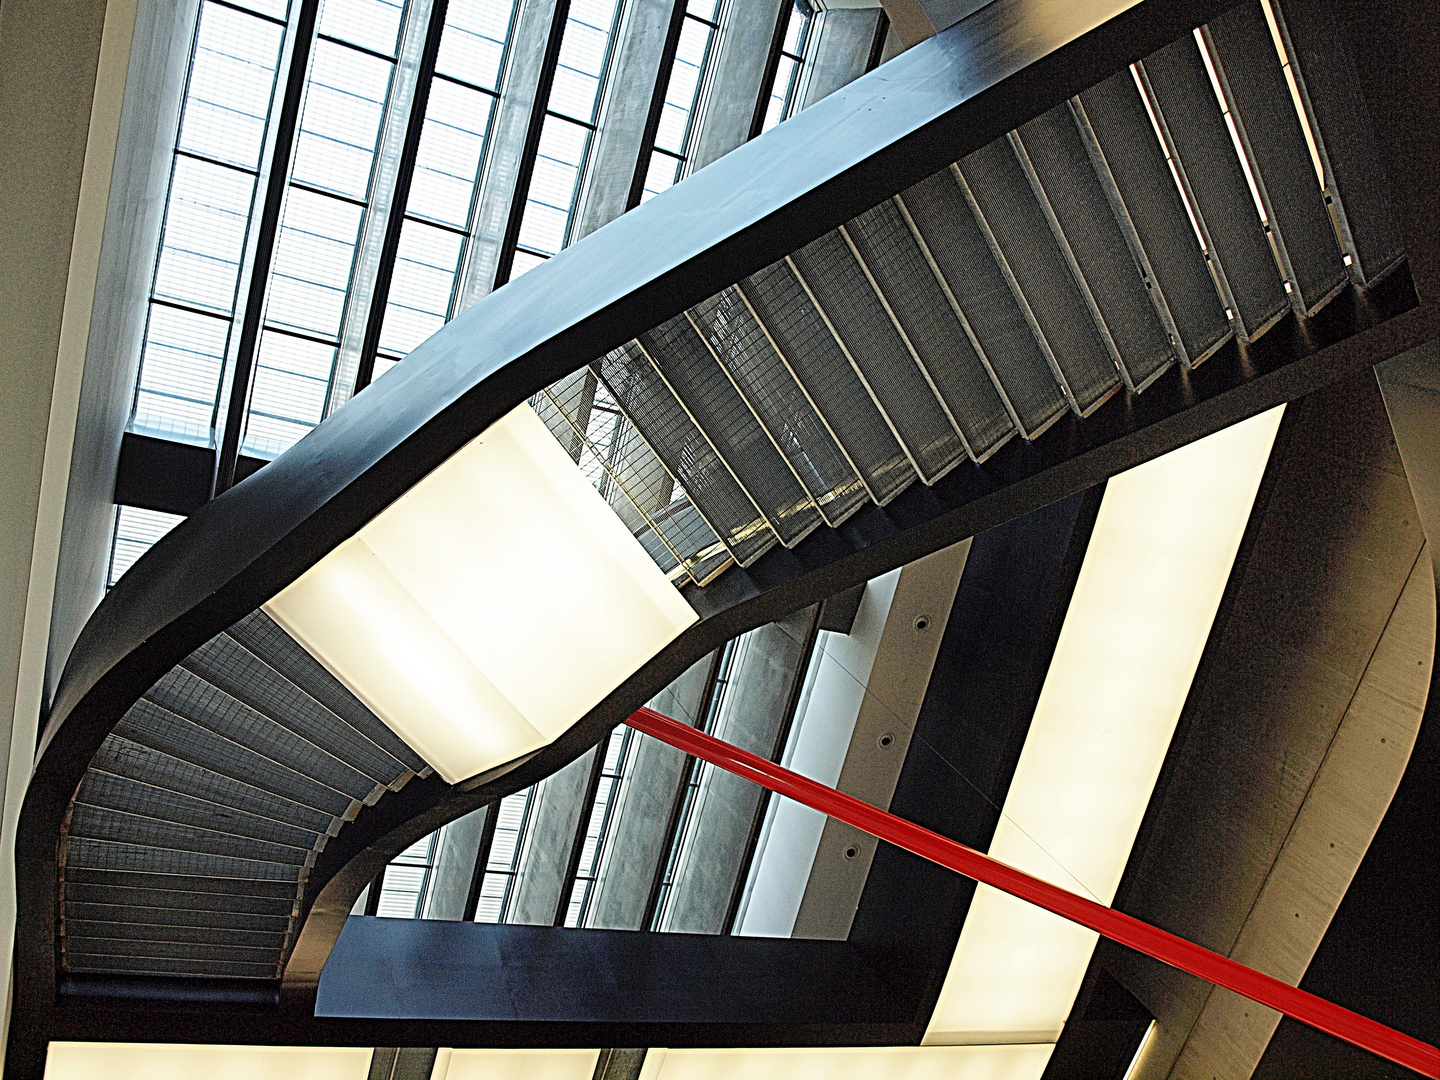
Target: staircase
[1118, 236]
[1104, 245]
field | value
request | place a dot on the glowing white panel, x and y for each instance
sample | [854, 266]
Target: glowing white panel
[515, 1065]
[160, 1061]
[489, 608]
[1157, 563]
[851, 1063]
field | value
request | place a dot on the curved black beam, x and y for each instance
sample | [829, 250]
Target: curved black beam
[1005, 64]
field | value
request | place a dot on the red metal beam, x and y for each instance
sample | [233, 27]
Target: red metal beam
[1163, 946]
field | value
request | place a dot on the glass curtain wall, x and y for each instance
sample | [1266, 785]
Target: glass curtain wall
[597, 824]
[783, 99]
[438, 223]
[683, 91]
[329, 190]
[568, 131]
[502, 860]
[229, 106]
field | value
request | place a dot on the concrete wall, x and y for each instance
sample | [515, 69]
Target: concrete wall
[1235, 846]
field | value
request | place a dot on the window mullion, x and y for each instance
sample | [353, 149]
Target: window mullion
[390, 188]
[262, 250]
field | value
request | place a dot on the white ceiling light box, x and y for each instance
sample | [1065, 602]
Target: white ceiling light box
[1154, 571]
[490, 607]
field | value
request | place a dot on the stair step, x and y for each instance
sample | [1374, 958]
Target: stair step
[263, 637]
[696, 378]
[821, 369]
[1248, 66]
[638, 389]
[226, 664]
[1340, 122]
[158, 729]
[953, 239]
[1083, 220]
[1005, 205]
[748, 356]
[193, 698]
[911, 290]
[840, 288]
[1124, 144]
[1214, 180]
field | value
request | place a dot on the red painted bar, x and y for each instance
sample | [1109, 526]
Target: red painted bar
[1163, 946]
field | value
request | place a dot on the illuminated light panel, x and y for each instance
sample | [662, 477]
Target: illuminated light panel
[515, 1065]
[1154, 571]
[851, 1063]
[489, 608]
[160, 1061]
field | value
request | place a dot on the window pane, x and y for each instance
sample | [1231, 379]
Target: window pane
[473, 44]
[371, 24]
[292, 376]
[136, 532]
[204, 236]
[312, 263]
[276, 9]
[524, 261]
[582, 58]
[795, 31]
[451, 147]
[425, 268]
[344, 103]
[780, 95]
[662, 174]
[553, 185]
[232, 80]
[180, 373]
